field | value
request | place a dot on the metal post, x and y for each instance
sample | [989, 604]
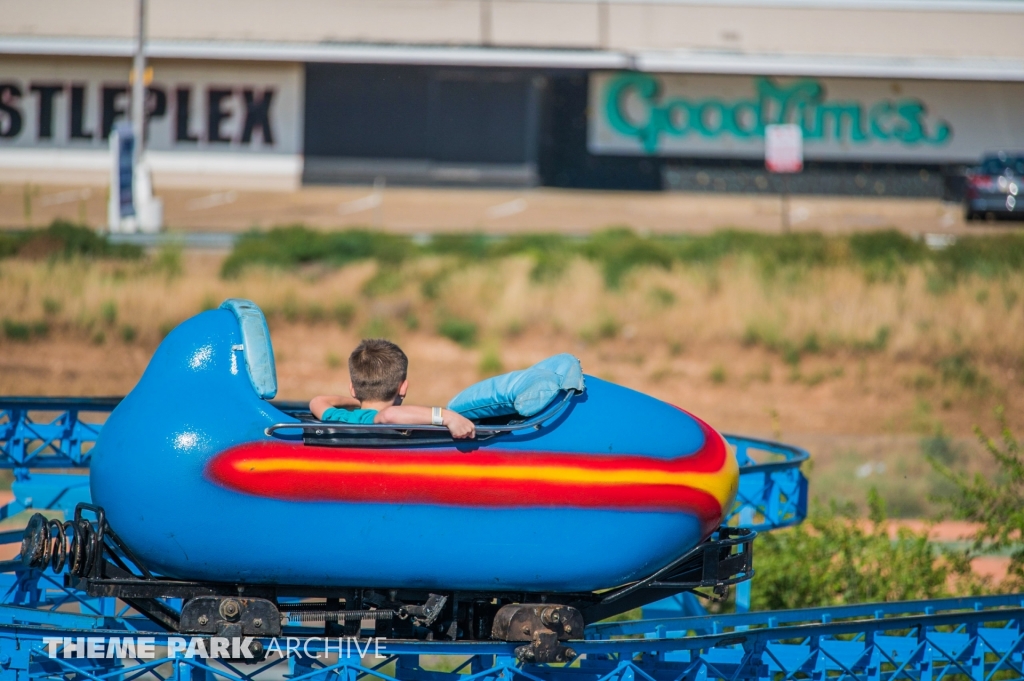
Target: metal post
[785, 203]
[602, 25]
[485, 22]
[743, 588]
[139, 84]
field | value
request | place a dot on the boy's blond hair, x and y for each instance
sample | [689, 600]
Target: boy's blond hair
[377, 368]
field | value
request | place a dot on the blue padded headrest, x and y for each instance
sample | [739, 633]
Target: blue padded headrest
[258, 352]
[525, 392]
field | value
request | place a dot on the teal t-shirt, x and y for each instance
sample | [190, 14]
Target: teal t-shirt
[347, 416]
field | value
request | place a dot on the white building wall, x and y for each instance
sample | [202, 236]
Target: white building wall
[884, 28]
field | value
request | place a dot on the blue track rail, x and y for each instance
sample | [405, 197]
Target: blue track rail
[979, 638]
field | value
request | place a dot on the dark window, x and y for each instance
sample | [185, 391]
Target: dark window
[410, 112]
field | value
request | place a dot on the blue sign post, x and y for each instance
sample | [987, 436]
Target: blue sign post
[122, 149]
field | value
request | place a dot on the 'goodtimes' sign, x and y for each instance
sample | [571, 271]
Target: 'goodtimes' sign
[676, 115]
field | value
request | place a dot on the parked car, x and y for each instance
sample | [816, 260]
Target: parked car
[995, 187]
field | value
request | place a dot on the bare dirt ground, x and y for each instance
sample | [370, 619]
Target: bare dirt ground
[864, 407]
[862, 430]
[410, 210]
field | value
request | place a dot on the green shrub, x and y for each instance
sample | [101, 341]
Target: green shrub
[490, 363]
[832, 559]
[63, 239]
[315, 313]
[8, 244]
[385, 280]
[618, 251]
[169, 260]
[996, 503]
[960, 368]
[662, 297]
[52, 306]
[606, 328]
[710, 248]
[24, 331]
[461, 331]
[717, 374]
[377, 327]
[889, 247]
[551, 253]
[16, 331]
[984, 255]
[941, 448]
[343, 313]
[881, 339]
[108, 312]
[796, 248]
[430, 287]
[811, 345]
[469, 246]
[296, 245]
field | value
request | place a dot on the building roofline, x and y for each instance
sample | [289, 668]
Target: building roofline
[965, 6]
[675, 61]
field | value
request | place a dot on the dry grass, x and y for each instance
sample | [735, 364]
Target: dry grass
[760, 351]
[734, 302]
[800, 354]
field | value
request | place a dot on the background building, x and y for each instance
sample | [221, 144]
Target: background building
[893, 95]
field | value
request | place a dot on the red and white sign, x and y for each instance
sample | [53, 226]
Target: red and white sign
[783, 148]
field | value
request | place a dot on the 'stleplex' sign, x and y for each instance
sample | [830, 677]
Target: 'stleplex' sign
[841, 118]
[48, 103]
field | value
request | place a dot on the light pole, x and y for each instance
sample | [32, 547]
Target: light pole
[149, 209]
[139, 84]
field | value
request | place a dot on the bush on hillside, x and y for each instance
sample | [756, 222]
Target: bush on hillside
[618, 251]
[297, 245]
[64, 239]
[997, 504]
[832, 559]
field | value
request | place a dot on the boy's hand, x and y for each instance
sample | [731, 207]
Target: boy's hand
[458, 425]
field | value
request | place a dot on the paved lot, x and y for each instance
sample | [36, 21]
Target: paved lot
[405, 209]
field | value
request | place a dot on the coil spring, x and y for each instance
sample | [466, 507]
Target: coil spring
[53, 543]
[312, 616]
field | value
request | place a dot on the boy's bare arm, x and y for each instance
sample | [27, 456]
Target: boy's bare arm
[459, 426]
[321, 403]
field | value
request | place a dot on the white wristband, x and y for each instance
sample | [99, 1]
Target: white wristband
[436, 417]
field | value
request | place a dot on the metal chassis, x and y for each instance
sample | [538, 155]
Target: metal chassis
[724, 559]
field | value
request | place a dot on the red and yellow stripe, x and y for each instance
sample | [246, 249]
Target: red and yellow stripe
[703, 483]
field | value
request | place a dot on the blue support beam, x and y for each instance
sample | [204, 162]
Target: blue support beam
[43, 432]
[773, 490]
[981, 639]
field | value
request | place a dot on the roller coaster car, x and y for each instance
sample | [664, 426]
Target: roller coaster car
[256, 515]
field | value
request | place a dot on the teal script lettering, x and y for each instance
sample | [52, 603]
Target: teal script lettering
[802, 102]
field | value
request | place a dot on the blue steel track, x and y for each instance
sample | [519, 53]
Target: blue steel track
[46, 442]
